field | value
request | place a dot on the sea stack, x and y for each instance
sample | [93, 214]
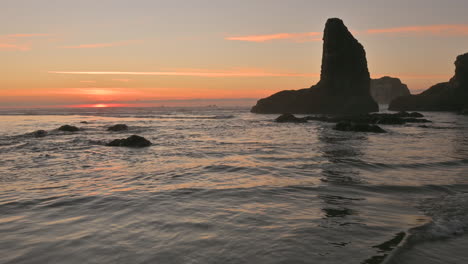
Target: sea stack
[344, 86]
[386, 89]
[448, 96]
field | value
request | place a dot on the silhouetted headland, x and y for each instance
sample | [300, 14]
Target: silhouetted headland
[447, 96]
[344, 85]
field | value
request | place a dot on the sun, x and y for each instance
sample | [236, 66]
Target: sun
[100, 105]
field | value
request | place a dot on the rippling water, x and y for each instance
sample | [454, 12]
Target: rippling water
[227, 186]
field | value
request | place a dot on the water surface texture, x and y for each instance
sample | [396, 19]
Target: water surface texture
[228, 186]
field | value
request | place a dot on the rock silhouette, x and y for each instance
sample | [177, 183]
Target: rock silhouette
[290, 118]
[385, 89]
[68, 128]
[118, 127]
[344, 85]
[358, 127]
[448, 96]
[39, 133]
[133, 141]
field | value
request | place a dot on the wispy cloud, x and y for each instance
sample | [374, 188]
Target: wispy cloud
[247, 72]
[196, 73]
[437, 30]
[27, 35]
[13, 46]
[96, 91]
[21, 42]
[103, 45]
[296, 37]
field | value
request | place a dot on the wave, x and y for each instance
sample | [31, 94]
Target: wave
[426, 165]
[449, 215]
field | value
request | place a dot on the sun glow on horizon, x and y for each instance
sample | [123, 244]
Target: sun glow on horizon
[98, 105]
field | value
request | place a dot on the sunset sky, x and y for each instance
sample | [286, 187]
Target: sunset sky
[154, 52]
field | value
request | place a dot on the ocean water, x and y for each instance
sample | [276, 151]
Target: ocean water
[228, 186]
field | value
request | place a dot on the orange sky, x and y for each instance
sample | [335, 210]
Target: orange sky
[116, 53]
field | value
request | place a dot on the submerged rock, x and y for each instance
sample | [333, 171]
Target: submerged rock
[118, 127]
[39, 133]
[344, 86]
[133, 141]
[409, 114]
[290, 118]
[417, 120]
[386, 119]
[322, 118]
[385, 89]
[358, 127]
[448, 96]
[399, 118]
[84, 122]
[68, 128]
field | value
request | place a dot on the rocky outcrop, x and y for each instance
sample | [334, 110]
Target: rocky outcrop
[385, 89]
[118, 127]
[39, 133]
[358, 127]
[449, 96]
[133, 141]
[289, 118]
[68, 128]
[344, 85]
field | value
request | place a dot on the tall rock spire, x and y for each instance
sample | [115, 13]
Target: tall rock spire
[344, 86]
[344, 64]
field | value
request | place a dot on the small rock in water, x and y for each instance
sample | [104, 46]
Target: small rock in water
[39, 133]
[118, 127]
[68, 128]
[133, 141]
[84, 122]
[290, 118]
[358, 127]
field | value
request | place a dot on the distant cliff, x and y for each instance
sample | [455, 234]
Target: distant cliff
[344, 86]
[385, 89]
[448, 96]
